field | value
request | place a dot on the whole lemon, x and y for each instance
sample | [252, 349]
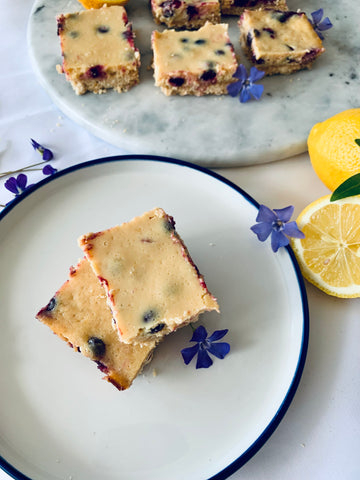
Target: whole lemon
[333, 151]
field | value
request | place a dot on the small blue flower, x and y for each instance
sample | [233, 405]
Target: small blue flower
[17, 185]
[319, 24]
[49, 170]
[45, 152]
[276, 222]
[204, 345]
[246, 85]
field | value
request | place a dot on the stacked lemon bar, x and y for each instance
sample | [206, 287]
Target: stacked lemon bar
[136, 284]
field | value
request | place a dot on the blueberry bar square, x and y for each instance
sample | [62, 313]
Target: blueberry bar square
[185, 14]
[153, 287]
[236, 7]
[279, 41]
[98, 50]
[198, 63]
[78, 314]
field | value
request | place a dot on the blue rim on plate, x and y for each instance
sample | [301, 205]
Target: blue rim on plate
[273, 424]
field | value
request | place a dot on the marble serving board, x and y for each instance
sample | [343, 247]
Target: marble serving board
[214, 131]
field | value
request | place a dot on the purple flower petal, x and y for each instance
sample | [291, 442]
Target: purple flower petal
[278, 239]
[45, 152]
[189, 353]
[246, 87]
[245, 95]
[277, 223]
[317, 15]
[318, 24]
[35, 144]
[217, 335]
[265, 214]
[234, 89]
[255, 75]
[205, 345]
[203, 359]
[47, 155]
[21, 181]
[256, 91]
[241, 73]
[49, 170]
[284, 214]
[199, 335]
[220, 349]
[292, 230]
[325, 25]
[17, 185]
[11, 185]
[262, 230]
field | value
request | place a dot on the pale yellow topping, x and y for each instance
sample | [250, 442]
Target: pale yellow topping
[96, 37]
[152, 285]
[193, 51]
[81, 312]
[273, 36]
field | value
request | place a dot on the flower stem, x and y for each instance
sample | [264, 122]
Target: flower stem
[6, 174]
[28, 169]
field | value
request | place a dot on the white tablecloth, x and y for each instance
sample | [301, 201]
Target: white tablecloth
[319, 438]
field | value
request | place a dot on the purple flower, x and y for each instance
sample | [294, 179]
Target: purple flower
[319, 24]
[276, 222]
[245, 86]
[49, 170]
[17, 185]
[45, 152]
[204, 346]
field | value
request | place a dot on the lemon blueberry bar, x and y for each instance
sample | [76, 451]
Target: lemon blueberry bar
[98, 50]
[197, 62]
[236, 7]
[78, 313]
[189, 14]
[279, 41]
[153, 286]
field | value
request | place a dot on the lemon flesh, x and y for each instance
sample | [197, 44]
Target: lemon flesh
[329, 255]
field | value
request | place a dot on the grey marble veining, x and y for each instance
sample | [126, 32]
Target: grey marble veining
[211, 131]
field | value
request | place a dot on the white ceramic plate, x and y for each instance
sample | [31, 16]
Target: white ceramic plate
[212, 131]
[59, 419]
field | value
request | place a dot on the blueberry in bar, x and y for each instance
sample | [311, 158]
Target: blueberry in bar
[78, 313]
[236, 7]
[153, 286]
[197, 62]
[185, 14]
[279, 41]
[98, 50]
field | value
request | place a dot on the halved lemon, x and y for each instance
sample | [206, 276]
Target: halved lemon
[329, 255]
